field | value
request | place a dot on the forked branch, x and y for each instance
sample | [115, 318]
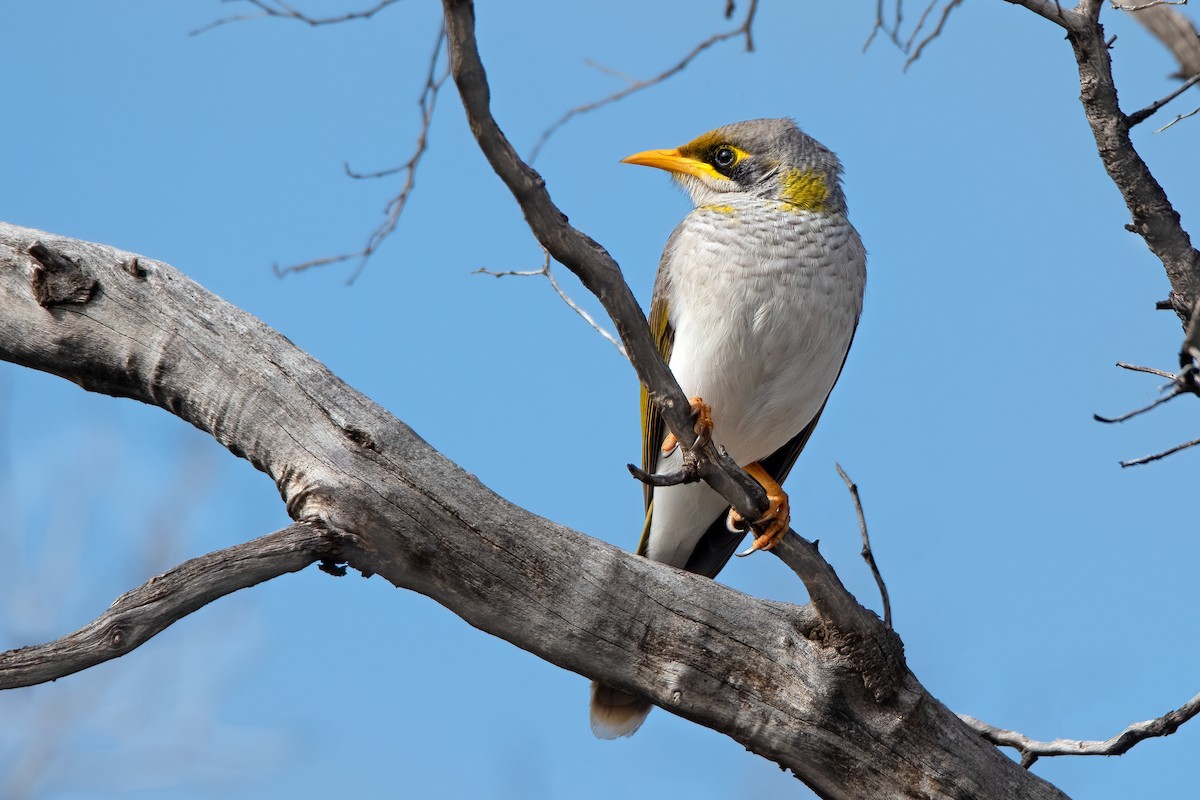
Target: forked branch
[1031, 750]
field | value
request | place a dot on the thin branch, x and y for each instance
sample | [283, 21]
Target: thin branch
[1137, 368]
[867, 554]
[1151, 4]
[1175, 392]
[921, 20]
[744, 30]
[395, 207]
[1179, 118]
[137, 616]
[686, 474]
[545, 270]
[1031, 750]
[282, 10]
[937, 31]
[893, 31]
[1156, 456]
[1143, 114]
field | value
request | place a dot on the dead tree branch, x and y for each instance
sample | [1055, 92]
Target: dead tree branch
[137, 616]
[867, 554]
[281, 10]
[1031, 750]
[562, 295]
[1145, 113]
[434, 80]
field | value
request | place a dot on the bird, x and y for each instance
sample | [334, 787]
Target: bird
[757, 297]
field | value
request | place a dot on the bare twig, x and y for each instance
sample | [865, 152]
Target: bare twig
[1151, 4]
[892, 31]
[545, 270]
[686, 474]
[937, 31]
[912, 45]
[434, 79]
[1137, 368]
[282, 10]
[1156, 456]
[1143, 114]
[1179, 118]
[743, 30]
[1031, 750]
[1175, 392]
[921, 20]
[1186, 382]
[867, 554]
[137, 616]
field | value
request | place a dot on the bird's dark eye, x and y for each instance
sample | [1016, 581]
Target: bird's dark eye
[724, 157]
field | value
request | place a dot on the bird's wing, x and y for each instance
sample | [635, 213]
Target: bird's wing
[653, 430]
[718, 544]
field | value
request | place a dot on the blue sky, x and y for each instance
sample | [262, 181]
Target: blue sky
[1036, 584]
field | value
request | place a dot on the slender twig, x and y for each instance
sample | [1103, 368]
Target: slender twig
[281, 10]
[1179, 118]
[1031, 750]
[937, 31]
[1151, 4]
[686, 474]
[1156, 456]
[545, 270]
[434, 79]
[1143, 114]
[744, 30]
[1175, 392]
[1137, 368]
[893, 32]
[867, 554]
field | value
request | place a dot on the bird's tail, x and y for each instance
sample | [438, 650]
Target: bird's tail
[616, 713]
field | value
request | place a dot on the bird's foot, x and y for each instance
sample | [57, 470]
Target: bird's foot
[775, 522]
[702, 412]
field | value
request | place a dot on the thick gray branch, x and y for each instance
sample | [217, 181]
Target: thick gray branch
[768, 675]
[137, 616]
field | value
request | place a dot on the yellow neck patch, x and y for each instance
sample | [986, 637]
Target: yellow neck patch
[805, 189]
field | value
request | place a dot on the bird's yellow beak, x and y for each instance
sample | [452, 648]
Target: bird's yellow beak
[673, 161]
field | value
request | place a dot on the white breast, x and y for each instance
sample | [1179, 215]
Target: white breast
[764, 304]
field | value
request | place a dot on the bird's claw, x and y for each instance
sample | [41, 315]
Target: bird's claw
[776, 521]
[703, 427]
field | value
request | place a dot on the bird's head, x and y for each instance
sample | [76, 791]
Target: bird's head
[767, 158]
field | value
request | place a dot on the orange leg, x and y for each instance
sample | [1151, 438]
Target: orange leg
[702, 411]
[770, 528]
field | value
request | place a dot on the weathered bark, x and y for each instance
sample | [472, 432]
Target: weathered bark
[771, 676]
